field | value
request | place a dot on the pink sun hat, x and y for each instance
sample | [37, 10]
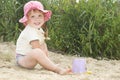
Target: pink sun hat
[35, 5]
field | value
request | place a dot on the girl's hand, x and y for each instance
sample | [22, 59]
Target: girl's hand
[43, 47]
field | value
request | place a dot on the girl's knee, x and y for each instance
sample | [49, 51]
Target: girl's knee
[37, 50]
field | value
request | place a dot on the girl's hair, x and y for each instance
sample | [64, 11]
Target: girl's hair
[44, 27]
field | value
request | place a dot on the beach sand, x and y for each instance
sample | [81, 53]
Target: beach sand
[98, 69]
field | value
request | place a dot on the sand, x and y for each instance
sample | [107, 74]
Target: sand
[99, 69]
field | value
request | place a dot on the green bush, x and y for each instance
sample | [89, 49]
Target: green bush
[11, 12]
[88, 28]
[8, 20]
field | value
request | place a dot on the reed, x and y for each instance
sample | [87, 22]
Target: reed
[88, 28]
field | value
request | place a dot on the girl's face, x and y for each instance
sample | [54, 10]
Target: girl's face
[35, 18]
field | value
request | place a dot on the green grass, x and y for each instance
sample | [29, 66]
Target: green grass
[86, 28]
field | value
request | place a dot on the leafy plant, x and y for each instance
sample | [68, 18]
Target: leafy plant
[87, 28]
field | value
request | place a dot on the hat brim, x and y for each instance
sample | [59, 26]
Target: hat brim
[47, 16]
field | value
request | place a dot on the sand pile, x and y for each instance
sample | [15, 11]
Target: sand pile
[100, 69]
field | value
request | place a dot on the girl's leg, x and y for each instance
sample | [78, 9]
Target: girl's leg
[37, 56]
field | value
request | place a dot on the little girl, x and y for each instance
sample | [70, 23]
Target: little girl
[31, 48]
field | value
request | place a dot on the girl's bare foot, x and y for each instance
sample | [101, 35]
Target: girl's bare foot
[65, 71]
[62, 71]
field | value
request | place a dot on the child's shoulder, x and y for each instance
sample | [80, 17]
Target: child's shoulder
[28, 29]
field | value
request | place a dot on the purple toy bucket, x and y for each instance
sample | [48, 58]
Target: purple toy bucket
[79, 66]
